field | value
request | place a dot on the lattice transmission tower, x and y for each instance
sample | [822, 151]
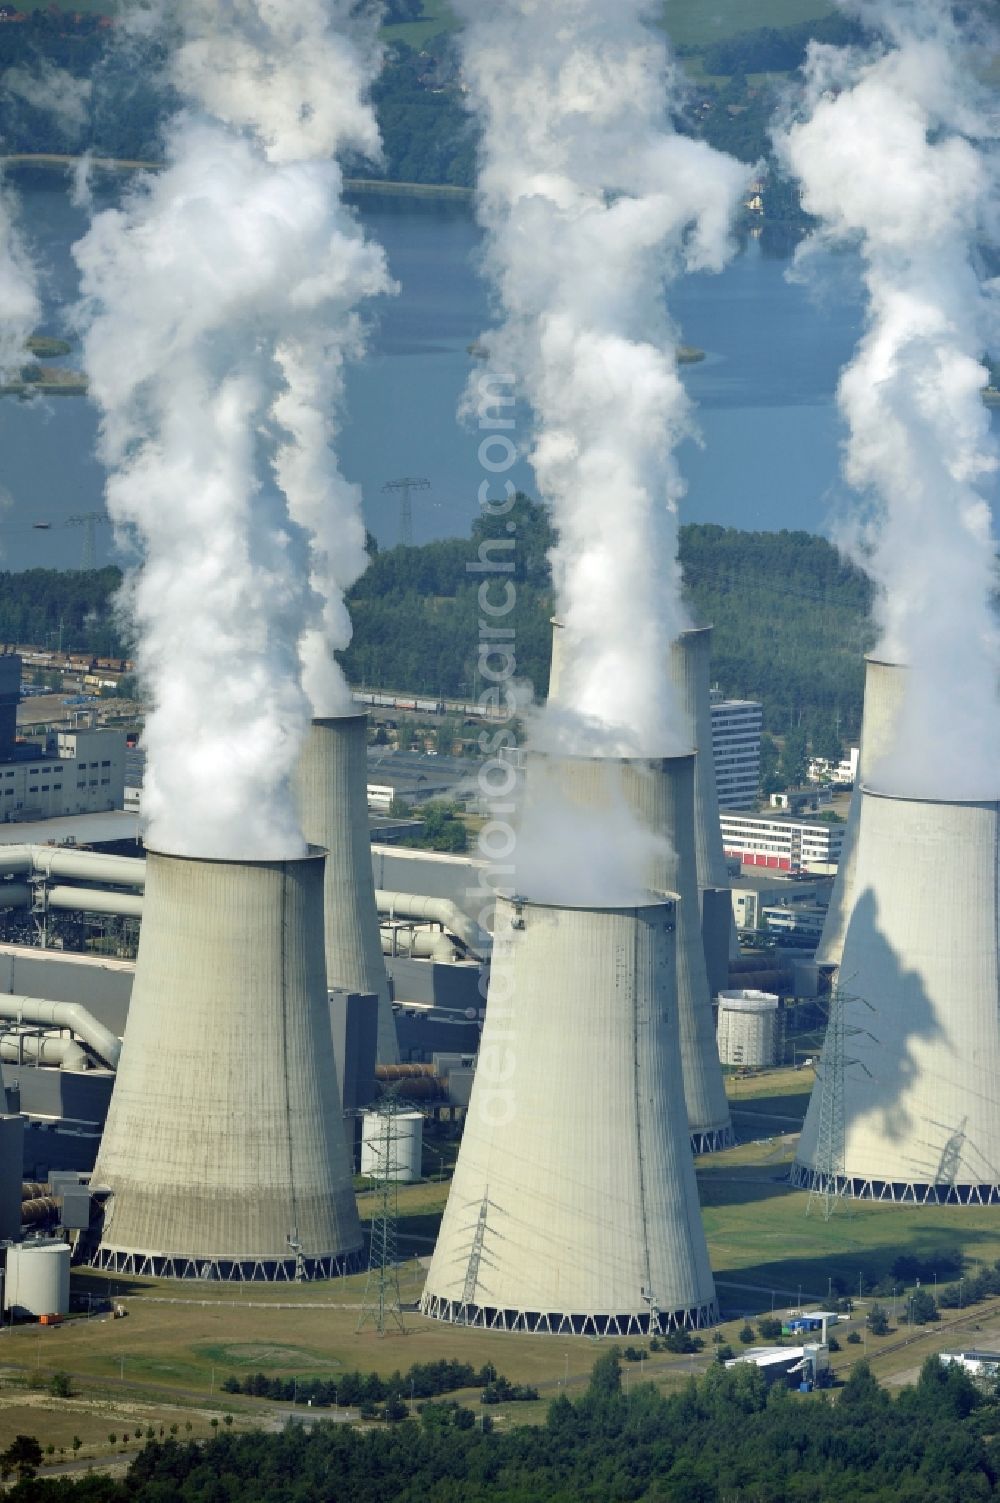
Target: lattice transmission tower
[405, 487]
[382, 1304]
[828, 1176]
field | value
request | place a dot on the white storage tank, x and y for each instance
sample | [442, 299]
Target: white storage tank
[747, 1029]
[392, 1146]
[37, 1279]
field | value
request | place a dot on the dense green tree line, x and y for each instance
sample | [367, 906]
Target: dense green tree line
[725, 1436]
[791, 618]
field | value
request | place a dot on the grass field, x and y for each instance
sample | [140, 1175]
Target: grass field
[696, 23]
[166, 1362]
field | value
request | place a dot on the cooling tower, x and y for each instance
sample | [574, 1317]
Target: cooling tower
[224, 1147]
[884, 685]
[690, 671]
[331, 786]
[661, 792]
[913, 1048]
[574, 1207]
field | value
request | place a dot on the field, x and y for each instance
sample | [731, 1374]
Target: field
[164, 1365]
[697, 23]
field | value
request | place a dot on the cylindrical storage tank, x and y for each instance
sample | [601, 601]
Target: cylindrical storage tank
[11, 1169]
[748, 1029]
[574, 1207]
[331, 789]
[660, 791]
[912, 1050]
[690, 669]
[224, 1147]
[392, 1146]
[885, 685]
[37, 1279]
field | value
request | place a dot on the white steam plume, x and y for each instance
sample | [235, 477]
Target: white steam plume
[20, 309]
[590, 202]
[216, 276]
[54, 90]
[896, 150]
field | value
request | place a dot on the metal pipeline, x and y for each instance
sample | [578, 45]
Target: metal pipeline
[94, 900]
[57, 861]
[32, 1188]
[47, 1050]
[418, 944]
[411, 905]
[69, 1015]
[403, 1072]
[45, 1208]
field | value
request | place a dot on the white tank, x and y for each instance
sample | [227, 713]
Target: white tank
[574, 1207]
[331, 787]
[921, 1042]
[661, 792]
[37, 1280]
[392, 1146]
[224, 1147]
[11, 1172]
[690, 669]
[748, 1029]
[885, 684]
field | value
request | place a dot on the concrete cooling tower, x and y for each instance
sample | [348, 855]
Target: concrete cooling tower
[331, 787]
[916, 1068]
[574, 1207]
[224, 1148]
[661, 792]
[690, 671]
[884, 687]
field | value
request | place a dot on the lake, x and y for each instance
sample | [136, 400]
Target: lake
[764, 393]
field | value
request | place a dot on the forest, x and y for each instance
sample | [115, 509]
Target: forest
[429, 138]
[721, 1438]
[791, 617]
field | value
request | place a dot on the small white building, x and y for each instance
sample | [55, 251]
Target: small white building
[977, 1363]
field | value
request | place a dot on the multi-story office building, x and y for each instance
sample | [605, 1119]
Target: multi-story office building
[781, 844]
[736, 728]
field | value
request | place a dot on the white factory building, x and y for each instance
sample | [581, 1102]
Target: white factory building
[736, 728]
[779, 843]
[74, 772]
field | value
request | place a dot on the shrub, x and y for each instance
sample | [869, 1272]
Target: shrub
[854, 1337]
[746, 1333]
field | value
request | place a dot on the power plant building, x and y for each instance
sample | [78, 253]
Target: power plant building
[224, 1154]
[913, 1046]
[574, 1207]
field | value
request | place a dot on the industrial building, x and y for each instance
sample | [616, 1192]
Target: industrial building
[736, 730]
[756, 891]
[911, 1051]
[224, 1153]
[574, 1208]
[779, 843]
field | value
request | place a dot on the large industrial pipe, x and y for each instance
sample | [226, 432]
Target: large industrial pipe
[46, 1208]
[418, 944]
[16, 1048]
[411, 905]
[70, 1015]
[94, 900]
[52, 861]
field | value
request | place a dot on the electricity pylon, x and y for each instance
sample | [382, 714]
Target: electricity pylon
[405, 487]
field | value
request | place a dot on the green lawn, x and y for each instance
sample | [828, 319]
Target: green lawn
[696, 23]
[438, 17]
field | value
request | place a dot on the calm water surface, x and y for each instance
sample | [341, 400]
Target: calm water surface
[770, 431]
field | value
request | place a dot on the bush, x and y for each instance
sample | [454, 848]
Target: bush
[769, 1328]
[724, 1353]
[854, 1338]
[833, 1344]
[878, 1320]
[746, 1333]
[60, 1386]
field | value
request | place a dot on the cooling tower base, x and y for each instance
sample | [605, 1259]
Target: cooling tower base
[900, 1192]
[226, 1270]
[561, 1323]
[713, 1140]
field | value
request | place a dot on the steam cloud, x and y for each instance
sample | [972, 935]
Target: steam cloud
[236, 265]
[590, 201]
[896, 152]
[20, 309]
